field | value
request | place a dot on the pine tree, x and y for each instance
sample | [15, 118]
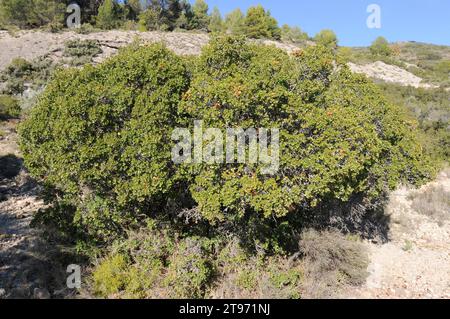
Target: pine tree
[260, 24]
[132, 9]
[380, 47]
[293, 34]
[172, 11]
[108, 15]
[31, 13]
[235, 22]
[200, 19]
[184, 21]
[327, 38]
[216, 22]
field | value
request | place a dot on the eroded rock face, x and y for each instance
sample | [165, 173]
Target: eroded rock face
[33, 44]
[390, 73]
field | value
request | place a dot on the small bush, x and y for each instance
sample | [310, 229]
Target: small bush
[19, 68]
[332, 261]
[110, 277]
[81, 51]
[86, 28]
[9, 107]
[380, 47]
[54, 27]
[190, 269]
[327, 38]
[245, 276]
[21, 74]
[152, 263]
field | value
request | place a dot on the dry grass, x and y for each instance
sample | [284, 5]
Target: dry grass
[332, 261]
[434, 202]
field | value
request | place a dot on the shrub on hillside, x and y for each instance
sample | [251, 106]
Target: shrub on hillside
[9, 107]
[20, 74]
[158, 262]
[327, 38]
[102, 136]
[81, 51]
[154, 263]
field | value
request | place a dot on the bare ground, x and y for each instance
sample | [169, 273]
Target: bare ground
[416, 262]
[28, 268]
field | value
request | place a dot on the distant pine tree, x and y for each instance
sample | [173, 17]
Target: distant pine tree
[108, 16]
[235, 22]
[327, 38]
[260, 24]
[200, 19]
[216, 22]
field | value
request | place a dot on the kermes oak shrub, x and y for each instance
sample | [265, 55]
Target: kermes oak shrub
[101, 136]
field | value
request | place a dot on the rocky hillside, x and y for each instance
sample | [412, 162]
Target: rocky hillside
[33, 44]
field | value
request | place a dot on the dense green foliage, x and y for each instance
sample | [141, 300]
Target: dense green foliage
[31, 13]
[108, 15]
[151, 15]
[100, 137]
[116, 120]
[260, 24]
[339, 137]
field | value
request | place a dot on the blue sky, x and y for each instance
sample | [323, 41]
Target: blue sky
[401, 20]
